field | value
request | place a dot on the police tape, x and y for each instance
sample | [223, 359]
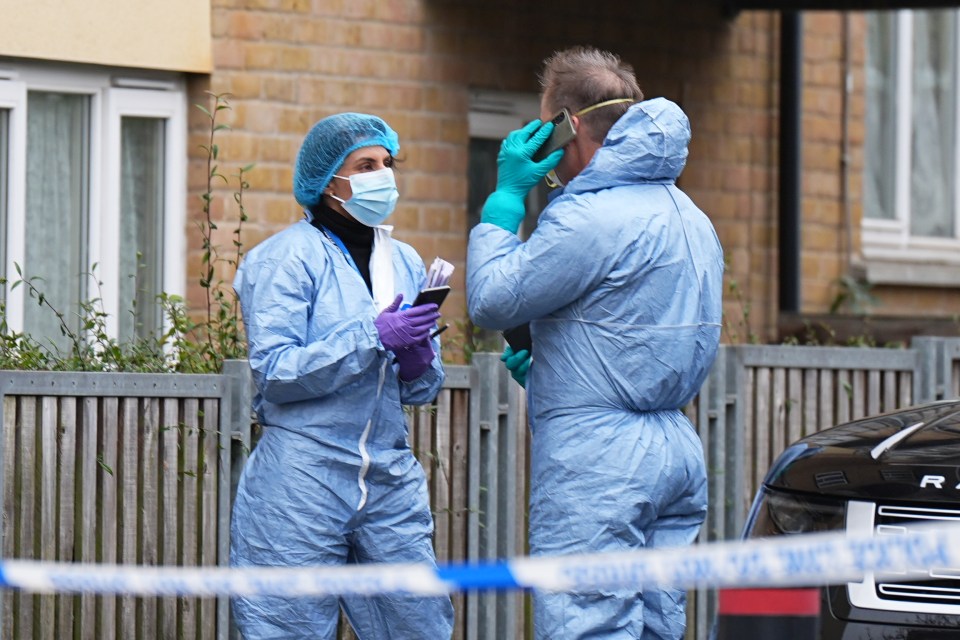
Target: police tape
[801, 560]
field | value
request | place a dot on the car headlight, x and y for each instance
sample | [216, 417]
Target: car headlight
[776, 513]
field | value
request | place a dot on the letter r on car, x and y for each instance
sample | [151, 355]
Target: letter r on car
[936, 481]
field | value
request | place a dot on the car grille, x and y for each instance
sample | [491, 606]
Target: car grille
[928, 586]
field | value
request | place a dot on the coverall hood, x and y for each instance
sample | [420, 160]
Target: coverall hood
[647, 144]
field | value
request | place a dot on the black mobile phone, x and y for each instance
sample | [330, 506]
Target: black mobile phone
[519, 338]
[563, 132]
[436, 295]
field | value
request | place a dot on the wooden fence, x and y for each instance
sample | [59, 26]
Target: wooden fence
[140, 469]
[759, 399]
[472, 446]
[114, 468]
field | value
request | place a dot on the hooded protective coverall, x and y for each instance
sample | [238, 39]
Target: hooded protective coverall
[332, 479]
[622, 283]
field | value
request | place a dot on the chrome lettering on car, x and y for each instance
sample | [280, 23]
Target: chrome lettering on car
[935, 481]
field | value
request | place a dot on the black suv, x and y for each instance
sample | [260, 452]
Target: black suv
[886, 473]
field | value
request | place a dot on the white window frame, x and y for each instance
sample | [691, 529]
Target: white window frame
[891, 254]
[146, 103]
[13, 97]
[494, 114]
[112, 96]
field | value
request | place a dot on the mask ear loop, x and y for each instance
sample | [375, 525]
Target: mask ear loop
[331, 194]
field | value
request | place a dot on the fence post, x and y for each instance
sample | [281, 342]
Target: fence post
[939, 358]
[514, 473]
[235, 446]
[733, 380]
[927, 383]
[951, 356]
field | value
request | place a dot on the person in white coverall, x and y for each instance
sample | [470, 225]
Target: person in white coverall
[335, 353]
[621, 282]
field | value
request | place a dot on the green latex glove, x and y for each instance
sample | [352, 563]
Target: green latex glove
[517, 364]
[517, 174]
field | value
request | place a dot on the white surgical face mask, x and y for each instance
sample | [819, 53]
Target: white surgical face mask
[374, 196]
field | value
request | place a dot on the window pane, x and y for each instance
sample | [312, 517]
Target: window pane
[880, 143]
[482, 180]
[481, 176]
[141, 226]
[56, 209]
[934, 114]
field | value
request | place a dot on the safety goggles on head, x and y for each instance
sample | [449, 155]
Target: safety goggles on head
[552, 180]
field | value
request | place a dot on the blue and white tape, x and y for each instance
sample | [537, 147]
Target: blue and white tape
[825, 558]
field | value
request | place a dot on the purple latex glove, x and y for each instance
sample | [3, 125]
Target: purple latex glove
[414, 361]
[399, 328]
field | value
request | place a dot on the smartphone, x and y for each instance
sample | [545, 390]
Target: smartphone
[436, 295]
[519, 338]
[563, 132]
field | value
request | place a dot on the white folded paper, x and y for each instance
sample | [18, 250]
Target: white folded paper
[439, 273]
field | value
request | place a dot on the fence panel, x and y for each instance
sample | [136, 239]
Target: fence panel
[496, 524]
[136, 468]
[111, 468]
[791, 392]
[439, 438]
[126, 472]
[67, 451]
[771, 397]
[939, 368]
[150, 424]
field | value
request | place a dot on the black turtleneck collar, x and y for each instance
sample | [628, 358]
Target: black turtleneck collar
[356, 236]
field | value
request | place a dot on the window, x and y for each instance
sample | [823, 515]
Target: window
[94, 195]
[56, 220]
[910, 201]
[141, 224]
[492, 116]
[147, 180]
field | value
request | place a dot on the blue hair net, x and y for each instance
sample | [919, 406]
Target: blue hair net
[328, 143]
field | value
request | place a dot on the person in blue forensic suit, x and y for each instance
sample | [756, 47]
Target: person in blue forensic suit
[621, 282]
[335, 352]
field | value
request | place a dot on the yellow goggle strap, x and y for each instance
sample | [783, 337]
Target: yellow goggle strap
[603, 104]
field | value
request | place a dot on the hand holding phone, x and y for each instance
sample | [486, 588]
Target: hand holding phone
[519, 338]
[435, 295]
[563, 132]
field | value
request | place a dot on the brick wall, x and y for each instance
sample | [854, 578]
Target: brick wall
[288, 63]
[832, 124]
